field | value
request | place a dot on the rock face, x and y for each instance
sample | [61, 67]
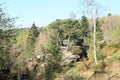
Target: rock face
[68, 57]
[75, 53]
[75, 49]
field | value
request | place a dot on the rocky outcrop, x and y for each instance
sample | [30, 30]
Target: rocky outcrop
[68, 57]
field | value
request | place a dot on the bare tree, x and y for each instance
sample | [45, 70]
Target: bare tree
[91, 7]
[94, 19]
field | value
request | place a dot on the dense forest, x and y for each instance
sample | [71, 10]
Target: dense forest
[62, 50]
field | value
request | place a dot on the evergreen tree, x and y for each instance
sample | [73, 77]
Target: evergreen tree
[32, 37]
[99, 37]
[72, 28]
[54, 58]
[33, 34]
[85, 31]
[99, 33]
[67, 27]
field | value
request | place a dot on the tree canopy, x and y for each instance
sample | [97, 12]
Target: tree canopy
[6, 34]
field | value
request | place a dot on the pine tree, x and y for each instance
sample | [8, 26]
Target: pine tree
[99, 37]
[99, 33]
[54, 57]
[32, 37]
[33, 34]
[85, 31]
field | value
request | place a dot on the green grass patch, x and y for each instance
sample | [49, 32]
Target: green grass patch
[99, 67]
[109, 49]
[115, 57]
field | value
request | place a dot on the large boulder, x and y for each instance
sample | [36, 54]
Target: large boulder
[75, 49]
[68, 57]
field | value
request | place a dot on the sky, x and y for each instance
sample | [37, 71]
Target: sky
[43, 12]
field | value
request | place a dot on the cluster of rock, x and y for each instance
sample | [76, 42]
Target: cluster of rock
[73, 53]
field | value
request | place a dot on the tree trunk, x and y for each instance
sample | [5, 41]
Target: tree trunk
[68, 43]
[94, 22]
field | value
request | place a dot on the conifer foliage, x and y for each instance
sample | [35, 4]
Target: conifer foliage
[99, 33]
[85, 31]
[32, 37]
[54, 57]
